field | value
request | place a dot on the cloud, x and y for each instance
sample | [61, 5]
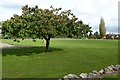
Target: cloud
[90, 11]
[11, 6]
[112, 29]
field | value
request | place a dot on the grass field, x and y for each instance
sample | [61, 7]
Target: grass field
[0, 65]
[66, 56]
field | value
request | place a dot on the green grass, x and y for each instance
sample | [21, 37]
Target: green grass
[114, 76]
[65, 56]
[0, 62]
[0, 65]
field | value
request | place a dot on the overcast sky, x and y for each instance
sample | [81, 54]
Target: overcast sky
[89, 11]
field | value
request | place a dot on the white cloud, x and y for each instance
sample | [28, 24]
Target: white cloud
[90, 11]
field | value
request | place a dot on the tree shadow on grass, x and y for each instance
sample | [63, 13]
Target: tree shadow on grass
[21, 51]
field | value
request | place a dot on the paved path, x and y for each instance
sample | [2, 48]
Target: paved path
[4, 45]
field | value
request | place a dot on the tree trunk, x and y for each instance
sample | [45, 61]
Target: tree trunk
[47, 38]
[47, 45]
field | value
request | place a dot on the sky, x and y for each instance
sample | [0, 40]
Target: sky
[89, 11]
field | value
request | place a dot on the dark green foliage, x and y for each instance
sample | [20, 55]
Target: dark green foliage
[18, 41]
[22, 38]
[15, 40]
[34, 40]
[96, 34]
[90, 34]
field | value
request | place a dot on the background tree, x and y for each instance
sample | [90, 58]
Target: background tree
[42, 23]
[0, 30]
[96, 34]
[90, 34]
[102, 28]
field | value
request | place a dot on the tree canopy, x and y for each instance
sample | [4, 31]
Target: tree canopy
[44, 23]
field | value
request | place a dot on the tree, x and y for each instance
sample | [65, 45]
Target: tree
[40, 23]
[80, 29]
[96, 34]
[102, 28]
[90, 34]
[0, 26]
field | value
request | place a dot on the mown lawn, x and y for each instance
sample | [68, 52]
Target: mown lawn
[0, 65]
[65, 56]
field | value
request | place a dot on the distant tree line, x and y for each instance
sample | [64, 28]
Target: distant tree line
[96, 35]
[102, 32]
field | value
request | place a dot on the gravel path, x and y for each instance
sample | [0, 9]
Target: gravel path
[4, 45]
